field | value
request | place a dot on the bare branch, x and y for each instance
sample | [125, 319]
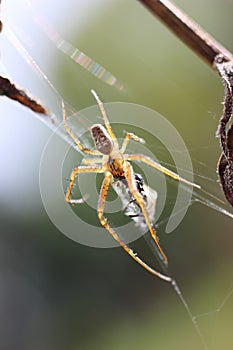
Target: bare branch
[220, 59]
[187, 30]
[10, 90]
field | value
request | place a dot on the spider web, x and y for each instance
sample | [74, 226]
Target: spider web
[206, 317]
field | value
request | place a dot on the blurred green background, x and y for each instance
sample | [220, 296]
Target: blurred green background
[58, 294]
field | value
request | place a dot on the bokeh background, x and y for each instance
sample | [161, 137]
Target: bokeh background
[56, 293]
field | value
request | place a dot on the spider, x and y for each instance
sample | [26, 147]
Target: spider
[111, 160]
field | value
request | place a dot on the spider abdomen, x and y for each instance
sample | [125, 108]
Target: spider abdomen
[102, 139]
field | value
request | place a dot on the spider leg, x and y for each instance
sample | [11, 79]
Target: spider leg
[75, 172]
[129, 175]
[91, 161]
[104, 223]
[72, 135]
[147, 160]
[105, 117]
[129, 136]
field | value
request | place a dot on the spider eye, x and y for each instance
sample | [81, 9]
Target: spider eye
[102, 139]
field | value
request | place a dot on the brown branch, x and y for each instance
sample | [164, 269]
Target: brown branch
[187, 30]
[220, 59]
[10, 90]
[225, 164]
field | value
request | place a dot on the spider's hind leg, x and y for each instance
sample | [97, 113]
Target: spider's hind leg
[129, 136]
[105, 117]
[72, 135]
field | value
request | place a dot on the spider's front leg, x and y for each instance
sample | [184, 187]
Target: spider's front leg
[104, 223]
[129, 175]
[75, 172]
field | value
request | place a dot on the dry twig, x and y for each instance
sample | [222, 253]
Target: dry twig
[221, 60]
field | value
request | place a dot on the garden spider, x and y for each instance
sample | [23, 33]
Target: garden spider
[115, 164]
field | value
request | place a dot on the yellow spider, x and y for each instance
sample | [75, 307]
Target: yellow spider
[115, 164]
